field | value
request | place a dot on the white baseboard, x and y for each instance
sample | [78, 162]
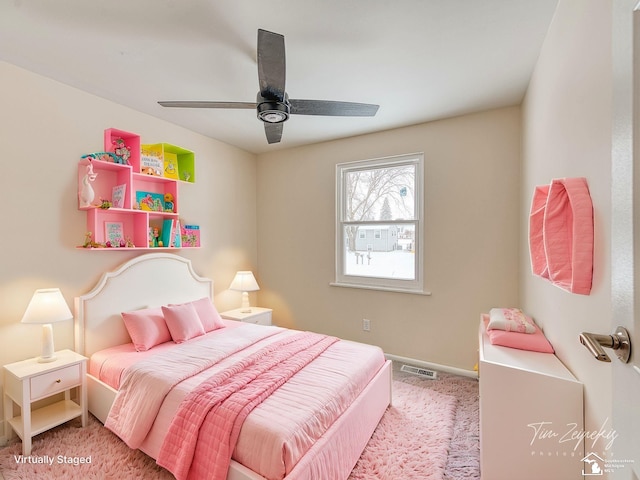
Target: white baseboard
[433, 366]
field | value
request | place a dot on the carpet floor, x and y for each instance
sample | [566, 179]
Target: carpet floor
[463, 461]
[429, 433]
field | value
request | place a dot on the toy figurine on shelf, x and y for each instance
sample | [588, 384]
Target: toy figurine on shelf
[154, 240]
[88, 241]
[102, 156]
[122, 151]
[86, 192]
[129, 243]
[168, 202]
[105, 204]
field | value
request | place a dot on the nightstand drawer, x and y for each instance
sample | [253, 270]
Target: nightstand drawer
[55, 381]
[260, 319]
[257, 315]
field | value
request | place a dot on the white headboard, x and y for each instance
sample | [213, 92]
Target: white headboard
[150, 280]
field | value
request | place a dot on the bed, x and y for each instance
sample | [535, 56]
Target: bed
[160, 279]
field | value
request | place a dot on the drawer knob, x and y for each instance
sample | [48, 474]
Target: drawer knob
[58, 381]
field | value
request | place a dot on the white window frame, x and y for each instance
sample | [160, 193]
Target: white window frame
[379, 283]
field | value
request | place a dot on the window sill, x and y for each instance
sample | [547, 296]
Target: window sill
[380, 288]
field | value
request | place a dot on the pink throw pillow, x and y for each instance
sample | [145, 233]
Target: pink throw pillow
[183, 322]
[209, 316]
[146, 328]
[535, 342]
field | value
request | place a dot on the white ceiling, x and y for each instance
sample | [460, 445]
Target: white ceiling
[420, 60]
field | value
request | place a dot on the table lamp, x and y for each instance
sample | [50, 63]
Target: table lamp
[47, 306]
[244, 282]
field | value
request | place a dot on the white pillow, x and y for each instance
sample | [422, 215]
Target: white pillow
[510, 320]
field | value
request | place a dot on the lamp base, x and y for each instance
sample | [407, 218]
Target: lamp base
[246, 306]
[52, 358]
[47, 344]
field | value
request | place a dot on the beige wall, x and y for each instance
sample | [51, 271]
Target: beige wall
[472, 172]
[44, 128]
[567, 133]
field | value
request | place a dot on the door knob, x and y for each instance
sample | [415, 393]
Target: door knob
[618, 341]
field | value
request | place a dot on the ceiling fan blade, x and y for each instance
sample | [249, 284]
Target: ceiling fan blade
[331, 108]
[271, 64]
[273, 132]
[196, 104]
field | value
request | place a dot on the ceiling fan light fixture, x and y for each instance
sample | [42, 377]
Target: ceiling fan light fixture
[273, 112]
[272, 102]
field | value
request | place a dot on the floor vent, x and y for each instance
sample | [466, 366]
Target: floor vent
[423, 372]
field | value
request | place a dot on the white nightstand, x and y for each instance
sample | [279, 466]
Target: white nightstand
[28, 381]
[259, 316]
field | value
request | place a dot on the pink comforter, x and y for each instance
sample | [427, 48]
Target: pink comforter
[203, 434]
[145, 385]
[305, 406]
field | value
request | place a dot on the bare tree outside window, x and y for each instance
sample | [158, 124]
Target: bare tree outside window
[385, 211]
[368, 192]
[379, 216]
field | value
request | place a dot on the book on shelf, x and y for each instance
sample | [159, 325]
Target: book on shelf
[171, 165]
[151, 160]
[150, 201]
[117, 196]
[167, 232]
[176, 235]
[113, 233]
[190, 235]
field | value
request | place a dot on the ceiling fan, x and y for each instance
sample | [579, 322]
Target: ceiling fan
[272, 104]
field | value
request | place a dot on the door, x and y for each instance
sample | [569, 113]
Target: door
[624, 462]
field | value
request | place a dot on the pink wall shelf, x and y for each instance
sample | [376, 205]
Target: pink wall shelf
[142, 197]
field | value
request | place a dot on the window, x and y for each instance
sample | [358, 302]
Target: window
[379, 223]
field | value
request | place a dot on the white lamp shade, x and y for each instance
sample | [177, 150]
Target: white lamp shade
[244, 281]
[47, 306]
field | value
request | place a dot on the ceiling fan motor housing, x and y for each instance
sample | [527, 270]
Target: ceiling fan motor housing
[272, 110]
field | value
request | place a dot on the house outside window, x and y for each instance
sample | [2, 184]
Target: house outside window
[379, 223]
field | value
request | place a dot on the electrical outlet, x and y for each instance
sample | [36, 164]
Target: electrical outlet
[366, 324]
